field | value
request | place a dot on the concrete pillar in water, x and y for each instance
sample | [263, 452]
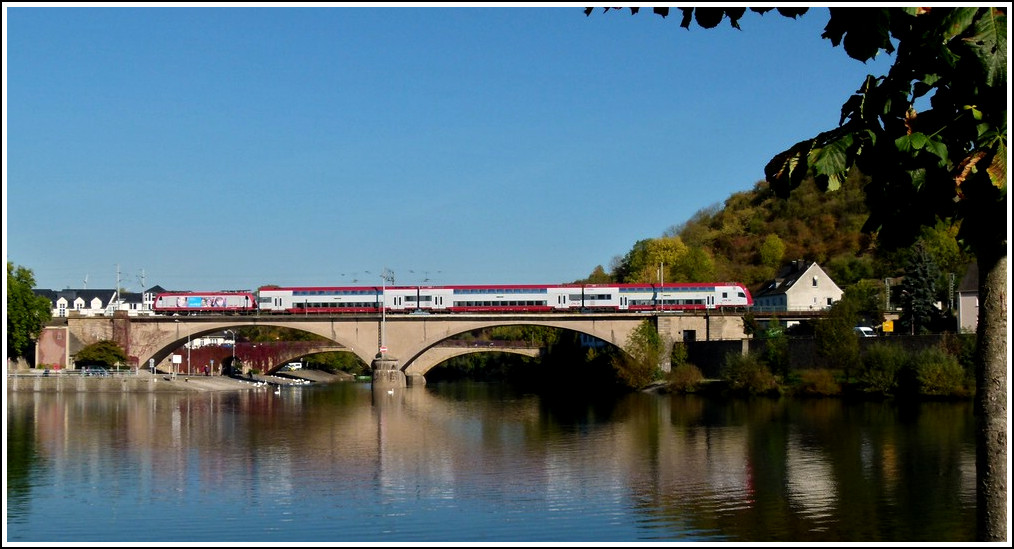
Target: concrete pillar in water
[386, 374]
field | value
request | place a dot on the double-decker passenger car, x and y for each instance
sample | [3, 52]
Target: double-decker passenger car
[502, 298]
[193, 303]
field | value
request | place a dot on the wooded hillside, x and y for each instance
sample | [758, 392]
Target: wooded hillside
[754, 232]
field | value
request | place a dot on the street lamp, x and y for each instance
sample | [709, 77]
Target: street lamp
[233, 364]
[172, 361]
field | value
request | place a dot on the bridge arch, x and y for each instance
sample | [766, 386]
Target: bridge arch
[423, 356]
[434, 356]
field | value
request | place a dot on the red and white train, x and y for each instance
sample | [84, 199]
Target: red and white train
[505, 298]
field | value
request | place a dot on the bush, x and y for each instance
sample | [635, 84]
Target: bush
[940, 374]
[638, 366]
[819, 382]
[748, 374]
[685, 378]
[881, 368]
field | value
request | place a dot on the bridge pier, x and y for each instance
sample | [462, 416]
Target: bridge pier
[386, 374]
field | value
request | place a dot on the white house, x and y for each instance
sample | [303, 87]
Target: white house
[968, 300]
[799, 286]
[101, 302]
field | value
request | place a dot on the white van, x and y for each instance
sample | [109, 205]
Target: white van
[294, 365]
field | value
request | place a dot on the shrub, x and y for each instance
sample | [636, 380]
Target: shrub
[638, 367]
[881, 368]
[748, 374]
[939, 373]
[818, 382]
[685, 378]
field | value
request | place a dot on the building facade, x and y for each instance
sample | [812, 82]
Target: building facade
[968, 301]
[799, 286]
[99, 302]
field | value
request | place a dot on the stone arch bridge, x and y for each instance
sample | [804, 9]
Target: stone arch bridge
[416, 342]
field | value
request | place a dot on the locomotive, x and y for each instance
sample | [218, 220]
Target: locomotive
[486, 298]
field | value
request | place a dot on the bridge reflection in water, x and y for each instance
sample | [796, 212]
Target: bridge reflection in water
[478, 462]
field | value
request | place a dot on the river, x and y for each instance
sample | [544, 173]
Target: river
[474, 462]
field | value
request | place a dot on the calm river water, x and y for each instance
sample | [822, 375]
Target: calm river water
[470, 462]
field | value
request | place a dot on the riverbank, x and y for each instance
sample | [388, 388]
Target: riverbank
[144, 381]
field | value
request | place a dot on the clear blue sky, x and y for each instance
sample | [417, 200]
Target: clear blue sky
[230, 147]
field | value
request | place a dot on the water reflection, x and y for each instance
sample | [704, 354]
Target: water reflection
[475, 462]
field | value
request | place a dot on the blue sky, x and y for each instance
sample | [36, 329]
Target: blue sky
[211, 148]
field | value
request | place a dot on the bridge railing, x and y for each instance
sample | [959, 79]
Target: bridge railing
[71, 372]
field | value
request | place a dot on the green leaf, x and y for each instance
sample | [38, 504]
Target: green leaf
[788, 169]
[938, 149]
[989, 45]
[957, 21]
[832, 158]
[910, 142]
[997, 169]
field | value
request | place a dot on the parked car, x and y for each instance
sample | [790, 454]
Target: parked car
[865, 331]
[95, 371]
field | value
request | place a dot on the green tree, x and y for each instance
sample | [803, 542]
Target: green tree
[948, 162]
[867, 298]
[919, 291]
[106, 353]
[27, 313]
[338, 361]
[837, 344]
[598, 276]
[776, 348]
[639, 366]
[696, 265]
[772, 251]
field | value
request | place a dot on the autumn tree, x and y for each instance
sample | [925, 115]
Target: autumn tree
[946, 162]
[643, 262]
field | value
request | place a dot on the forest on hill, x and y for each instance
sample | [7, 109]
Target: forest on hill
[754, 233]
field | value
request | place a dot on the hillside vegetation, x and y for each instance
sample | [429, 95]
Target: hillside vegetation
[754, 233]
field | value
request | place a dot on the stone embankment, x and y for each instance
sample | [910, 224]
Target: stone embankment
[144, 381]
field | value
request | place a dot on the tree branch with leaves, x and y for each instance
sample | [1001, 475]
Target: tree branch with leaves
[946, 163]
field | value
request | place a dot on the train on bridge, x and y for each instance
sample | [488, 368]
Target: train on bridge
[504, 298]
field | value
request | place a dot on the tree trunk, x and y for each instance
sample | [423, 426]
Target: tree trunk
[991, 398]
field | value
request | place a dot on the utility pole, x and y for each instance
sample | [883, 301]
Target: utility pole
[387, 275]
[116, 293]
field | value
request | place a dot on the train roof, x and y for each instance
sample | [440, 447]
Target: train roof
[501, 286]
